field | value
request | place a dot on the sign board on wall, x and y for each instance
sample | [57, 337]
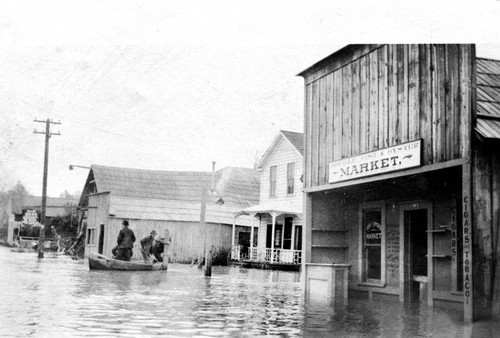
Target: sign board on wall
[403, 156]
[30, 217]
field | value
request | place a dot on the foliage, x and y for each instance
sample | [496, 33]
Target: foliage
[221, 257]
[66, 226]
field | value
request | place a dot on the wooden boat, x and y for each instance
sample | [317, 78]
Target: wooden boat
[101, 262]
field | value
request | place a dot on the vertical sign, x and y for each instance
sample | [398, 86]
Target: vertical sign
[454, 247]
[467, 244]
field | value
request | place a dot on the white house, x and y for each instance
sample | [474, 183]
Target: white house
[276, 229]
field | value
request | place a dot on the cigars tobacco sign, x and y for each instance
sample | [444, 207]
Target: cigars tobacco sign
[403, 156]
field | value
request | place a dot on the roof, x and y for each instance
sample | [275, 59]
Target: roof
[295, 139]
[176, 195]
[54, 206]
[488, 98]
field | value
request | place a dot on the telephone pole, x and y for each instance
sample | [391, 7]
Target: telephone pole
[48, 134]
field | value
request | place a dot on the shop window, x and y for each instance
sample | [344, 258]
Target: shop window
[290, 178]
[372, 240]
[272, 180]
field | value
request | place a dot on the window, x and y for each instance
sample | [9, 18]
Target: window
[272, 180]
[90, 236]
[372, 240]
[290, 178]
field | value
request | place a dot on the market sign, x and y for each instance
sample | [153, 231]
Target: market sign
[403, 156]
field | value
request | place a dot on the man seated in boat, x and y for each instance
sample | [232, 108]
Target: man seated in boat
[126, 239]
[158, 248]
[146, 244]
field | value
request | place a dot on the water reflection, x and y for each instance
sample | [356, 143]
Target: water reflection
[57, 294]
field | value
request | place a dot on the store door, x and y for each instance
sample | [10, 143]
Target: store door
[416, 263]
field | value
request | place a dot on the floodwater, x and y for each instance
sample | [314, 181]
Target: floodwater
[60, 297]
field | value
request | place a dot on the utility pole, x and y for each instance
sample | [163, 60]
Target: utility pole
[48, 134]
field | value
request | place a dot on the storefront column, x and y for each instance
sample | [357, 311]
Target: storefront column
[467, 243]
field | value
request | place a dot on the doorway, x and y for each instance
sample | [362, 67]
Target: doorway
[101, 240]
[415, 283]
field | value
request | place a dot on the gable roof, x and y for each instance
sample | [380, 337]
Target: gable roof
[294, 138]
[488, 98]
[174, 195]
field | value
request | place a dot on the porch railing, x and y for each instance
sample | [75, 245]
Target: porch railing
[267, 255]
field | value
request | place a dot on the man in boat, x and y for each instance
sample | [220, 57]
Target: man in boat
[146, 244]
[158, 248]
[126, 239]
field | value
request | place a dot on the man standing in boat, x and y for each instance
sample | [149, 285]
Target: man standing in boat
[146, 244]
[126, 239]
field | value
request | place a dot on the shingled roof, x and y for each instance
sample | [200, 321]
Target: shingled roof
[295, 139]
[488, 98]
[174, 195]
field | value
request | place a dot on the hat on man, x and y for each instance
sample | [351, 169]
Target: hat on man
[125, 222]
[153, 232]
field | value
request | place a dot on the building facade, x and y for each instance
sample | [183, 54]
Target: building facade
[277, 220]
[402, 176]
[196, 208]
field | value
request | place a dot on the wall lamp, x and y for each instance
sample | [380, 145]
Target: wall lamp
[73, 166]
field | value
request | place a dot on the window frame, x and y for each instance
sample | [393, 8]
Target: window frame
[290, 177]
[363, 280]
[273, 183]
[91, 236]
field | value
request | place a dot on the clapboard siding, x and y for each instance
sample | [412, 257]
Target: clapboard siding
[283, 154]
[389, 95]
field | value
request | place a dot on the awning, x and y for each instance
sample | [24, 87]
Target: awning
[277, 207]
[488, 128]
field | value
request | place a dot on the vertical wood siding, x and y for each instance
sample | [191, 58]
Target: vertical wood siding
[387, 96]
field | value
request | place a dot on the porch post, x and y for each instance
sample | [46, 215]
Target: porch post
[292, 245]
[251, 234]
[234, 231]
[273, 215]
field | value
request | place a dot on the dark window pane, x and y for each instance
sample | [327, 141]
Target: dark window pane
[373, 262]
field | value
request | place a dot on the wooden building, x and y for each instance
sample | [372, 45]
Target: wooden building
[402, 176]
[166, 200]
[276, 226]
[20, 211]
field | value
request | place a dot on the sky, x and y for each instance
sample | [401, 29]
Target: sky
[175, 85]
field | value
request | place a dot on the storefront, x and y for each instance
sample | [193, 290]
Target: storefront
[401, 193]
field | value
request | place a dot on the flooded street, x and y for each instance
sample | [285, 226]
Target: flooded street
[60, 295]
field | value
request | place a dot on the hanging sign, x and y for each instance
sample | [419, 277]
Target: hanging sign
[403, 156]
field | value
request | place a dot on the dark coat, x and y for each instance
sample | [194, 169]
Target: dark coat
[126, 238]
[157, 250]
[146, 243]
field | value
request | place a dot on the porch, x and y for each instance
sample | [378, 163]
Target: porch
[267, 258]
[275, 238]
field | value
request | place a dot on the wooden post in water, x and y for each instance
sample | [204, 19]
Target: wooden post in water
[164, 263]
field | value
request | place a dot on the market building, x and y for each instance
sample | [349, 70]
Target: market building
[402, 177]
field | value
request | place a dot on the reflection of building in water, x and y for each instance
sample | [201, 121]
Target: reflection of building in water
[402, 176]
